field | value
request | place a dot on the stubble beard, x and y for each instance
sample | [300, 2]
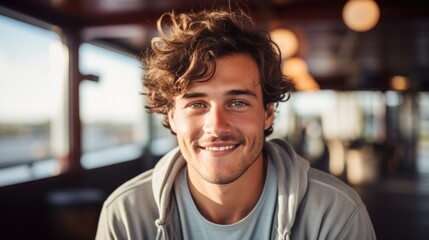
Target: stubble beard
[221, 178]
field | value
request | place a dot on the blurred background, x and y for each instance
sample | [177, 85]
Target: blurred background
[73, 125]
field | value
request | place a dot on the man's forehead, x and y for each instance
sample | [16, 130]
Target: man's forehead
[238, 72]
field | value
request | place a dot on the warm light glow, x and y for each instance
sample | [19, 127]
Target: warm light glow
[295, 66]
[361, 166]
[336, 158]
[361, 15]
[399, 83]
[355, 167]
[286, 40]
[297, 69]
[306, 82]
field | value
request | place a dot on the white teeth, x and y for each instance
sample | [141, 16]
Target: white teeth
[223, 148]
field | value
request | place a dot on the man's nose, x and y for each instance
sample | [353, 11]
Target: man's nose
[217, 121]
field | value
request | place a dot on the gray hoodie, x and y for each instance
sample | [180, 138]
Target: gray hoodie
[311, 204]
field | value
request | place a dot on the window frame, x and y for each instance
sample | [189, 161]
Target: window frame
[70, 37]
[30, 165]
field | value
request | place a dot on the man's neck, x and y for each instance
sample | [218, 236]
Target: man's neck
[228, 203]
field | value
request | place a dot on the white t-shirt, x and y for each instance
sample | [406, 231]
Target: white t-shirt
[256, 225]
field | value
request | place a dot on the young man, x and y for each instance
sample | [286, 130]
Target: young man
[216, 79]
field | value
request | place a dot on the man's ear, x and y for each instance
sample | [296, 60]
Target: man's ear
[170, 115]
[269, 115]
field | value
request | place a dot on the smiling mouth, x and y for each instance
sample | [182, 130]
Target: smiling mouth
[221, 148]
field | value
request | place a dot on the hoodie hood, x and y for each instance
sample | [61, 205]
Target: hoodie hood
[292, 184]
[164, 174]
[292, 174]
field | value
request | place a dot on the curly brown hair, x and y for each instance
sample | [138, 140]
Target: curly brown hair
[194, 41]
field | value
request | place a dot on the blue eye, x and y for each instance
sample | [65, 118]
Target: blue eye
[239, 104]
[196, 105]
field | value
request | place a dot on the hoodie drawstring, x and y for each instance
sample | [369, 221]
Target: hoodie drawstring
[162, 230]
[285, 235]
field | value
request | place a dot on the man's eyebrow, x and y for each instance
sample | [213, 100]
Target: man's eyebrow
[241, 92]
[194, 95]
[235, 92]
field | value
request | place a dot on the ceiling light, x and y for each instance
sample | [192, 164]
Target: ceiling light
[399, 83]
[297, 69]
[361, 15]
[286, 40]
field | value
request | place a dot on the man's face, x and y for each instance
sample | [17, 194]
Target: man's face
[220, 123]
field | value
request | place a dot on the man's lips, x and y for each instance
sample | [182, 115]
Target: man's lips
[220, 148]
[219, 144]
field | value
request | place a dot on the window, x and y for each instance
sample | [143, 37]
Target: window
[343, 115]
[33, 126]
[112, 109]
[328, 127]
[163, 140]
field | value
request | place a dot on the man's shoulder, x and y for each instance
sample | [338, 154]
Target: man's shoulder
[130, 211]
[331, 209]
[138, 188]
[331, 189]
